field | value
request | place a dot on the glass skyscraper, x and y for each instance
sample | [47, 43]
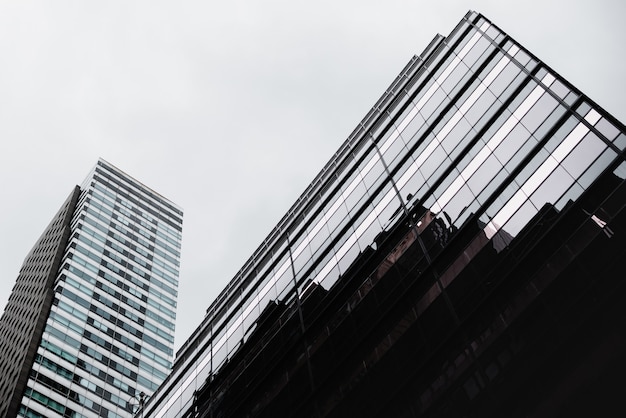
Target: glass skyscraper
[402, 280]
[88, 330]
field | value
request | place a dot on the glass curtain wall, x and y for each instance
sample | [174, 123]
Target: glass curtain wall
[476, 129]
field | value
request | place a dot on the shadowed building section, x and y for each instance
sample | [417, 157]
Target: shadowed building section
[25, 314]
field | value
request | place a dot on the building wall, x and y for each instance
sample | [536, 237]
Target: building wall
[26, 311]
[474, 141]
[109, 335]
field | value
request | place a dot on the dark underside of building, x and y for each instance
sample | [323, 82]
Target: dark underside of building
[534, 328]
[446, 323]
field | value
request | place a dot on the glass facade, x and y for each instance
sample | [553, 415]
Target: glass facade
[109, 334]
[476, 134]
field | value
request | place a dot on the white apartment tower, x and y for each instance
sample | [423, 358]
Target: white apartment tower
[89, 327]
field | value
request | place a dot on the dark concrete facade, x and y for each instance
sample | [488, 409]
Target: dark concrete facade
[26, 312]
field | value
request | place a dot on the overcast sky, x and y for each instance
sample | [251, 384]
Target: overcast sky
[231, 108]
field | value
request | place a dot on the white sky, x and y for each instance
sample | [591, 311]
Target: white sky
[230, 109]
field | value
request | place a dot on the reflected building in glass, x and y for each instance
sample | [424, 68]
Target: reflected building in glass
[460, 255]
[89, 325]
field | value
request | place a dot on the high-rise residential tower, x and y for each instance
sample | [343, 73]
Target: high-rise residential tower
[88, 330]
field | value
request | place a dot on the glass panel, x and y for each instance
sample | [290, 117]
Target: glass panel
[432, 104]
[367, 228]
[454, 137]
[484, 174]
[318, 240]
[513, 142]
[219, 352]
[537, 114]
[462, 144]
[522, 57]
[552, 188]
[393, 150]
[519, 220]
[493, 32]
[583, 108]
[463, 198]
[531, 168]
[350, 255]
[373, 172]
[414, 129]
[460, 72]
[620, 141]
[335, 220]
[454, 36]
[493, 68]
[560, 89]
[496, 181]
[477, 51]
[251, 313]
[508, 91]
[446, 68]
[597, 168]
[583, 155]
[549, 122]
[607, 129]
[504, 79]
[388, 213]
[267, 293]
[570, 195]
[285, 280]
[434, 162]
[414, 179]
[501, 200]
[328, 271]
[356, 194]
[467, 41]
[561, 133]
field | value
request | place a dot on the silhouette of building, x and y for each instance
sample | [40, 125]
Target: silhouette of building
[460, 255]
[89, 324]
